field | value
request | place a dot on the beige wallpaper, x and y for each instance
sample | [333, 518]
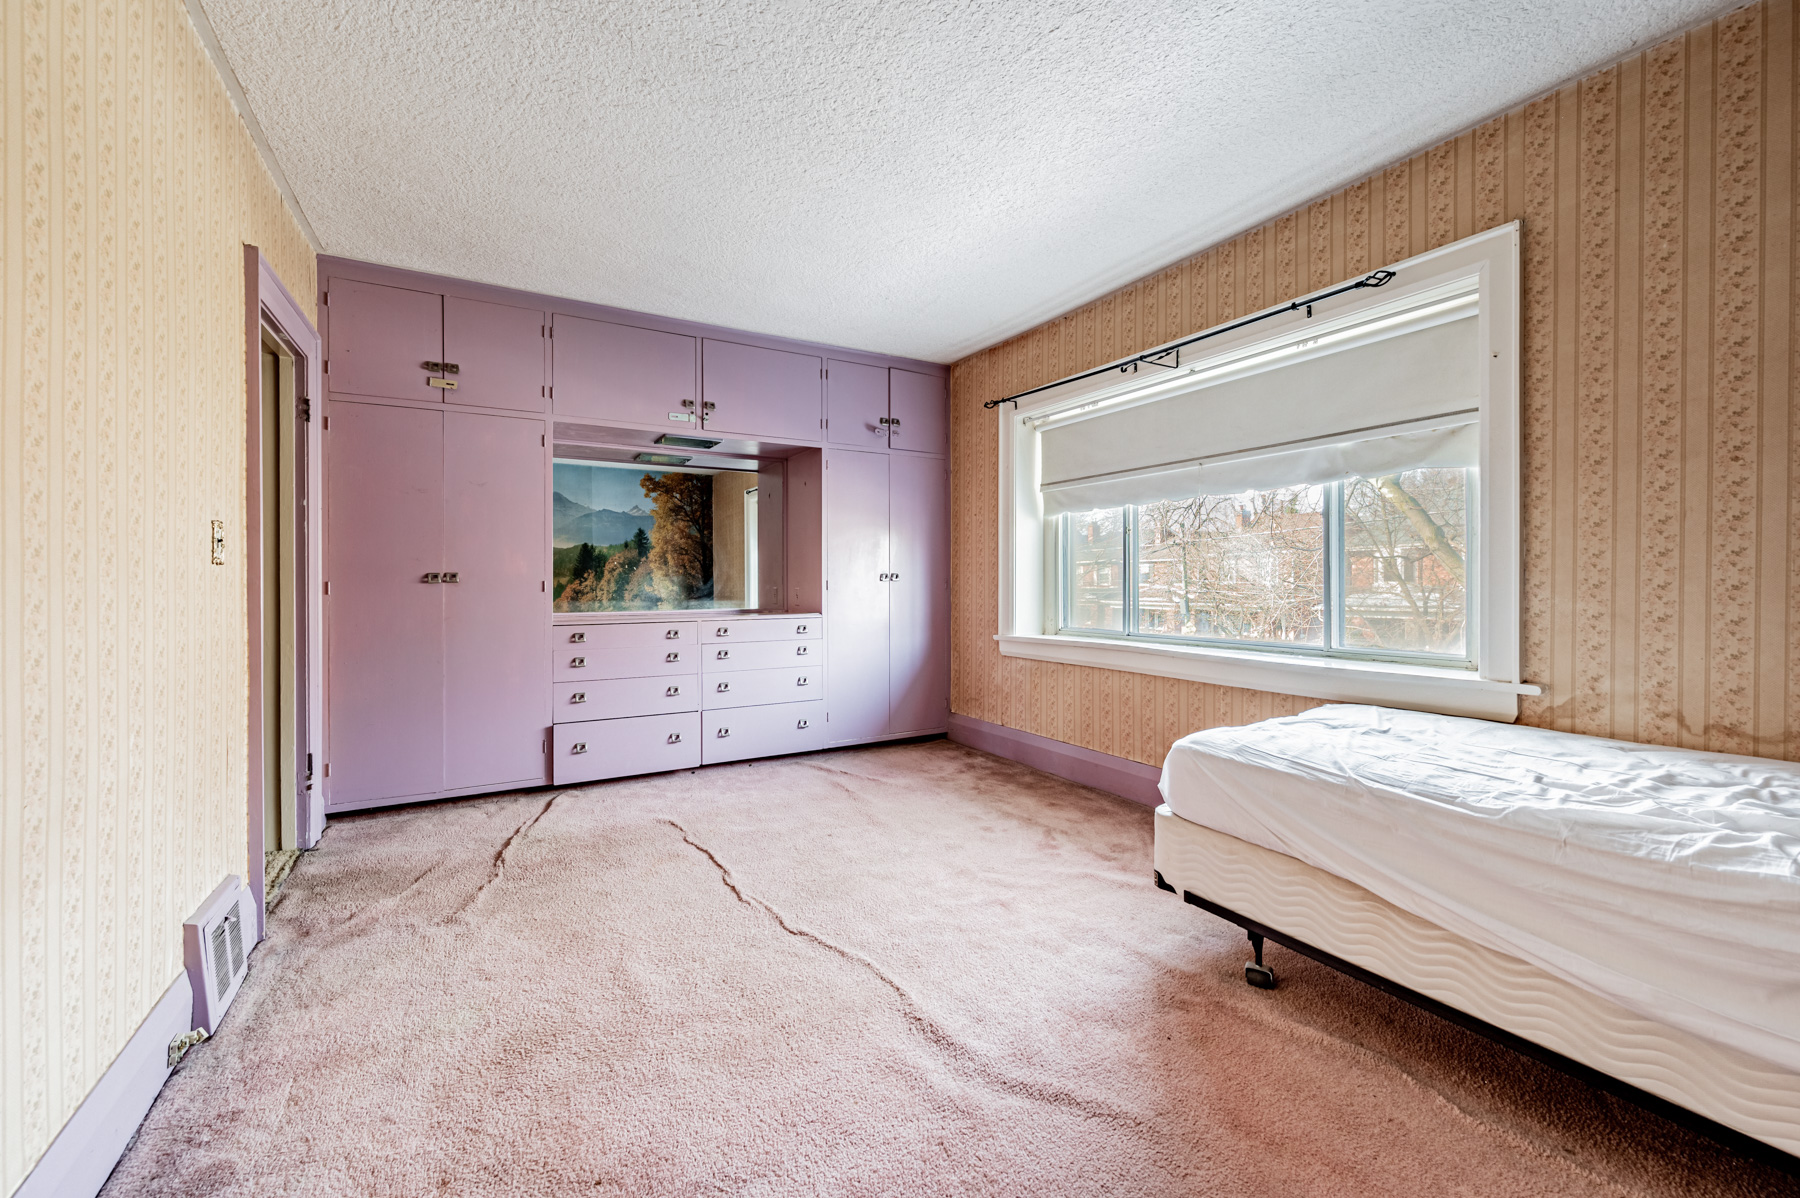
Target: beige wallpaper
[130, 189]
[1661, 592]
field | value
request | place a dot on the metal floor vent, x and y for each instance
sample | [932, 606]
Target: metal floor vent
[213, 943]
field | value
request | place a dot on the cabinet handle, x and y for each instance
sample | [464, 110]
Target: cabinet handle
[578, 747]
[577, 638]
[672, 691]
[707, 405]
[894, 423]
[671, 657]
[673, 634]
[800, 681]
[724, 688]
[674, 738]
[801, 651]
[578, 697]
[724, 630]
[893, 578]
[452, 576]
[722, 655]
[723, 732]
[442, 367]
[799, 630]
[432, 578]
[801, 724]
[575, 663]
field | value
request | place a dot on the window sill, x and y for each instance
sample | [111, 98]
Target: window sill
[1421, 688]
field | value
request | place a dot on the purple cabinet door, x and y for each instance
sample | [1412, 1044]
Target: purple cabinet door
[380, 339]
[919, 409]
[771, 394]
[499, 354]
[856, 405]
[384, 531]
[496, 617]
[919, 582]
[857, 594]
[621, 373]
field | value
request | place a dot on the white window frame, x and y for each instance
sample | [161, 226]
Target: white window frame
[1028, 564]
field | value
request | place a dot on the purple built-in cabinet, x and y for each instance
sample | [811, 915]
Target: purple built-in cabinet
[434, 527]
[609, 372]
[754, 391]
[384, 530]
[887, 594]
[437, 460]
[919, 586]
[496, 681]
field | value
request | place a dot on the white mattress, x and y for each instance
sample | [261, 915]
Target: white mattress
[1664, 879]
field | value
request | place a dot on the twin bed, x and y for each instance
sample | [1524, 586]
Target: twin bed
[1626, 911]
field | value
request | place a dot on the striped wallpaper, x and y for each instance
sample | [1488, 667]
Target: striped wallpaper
[1661, 592]
[130, 188]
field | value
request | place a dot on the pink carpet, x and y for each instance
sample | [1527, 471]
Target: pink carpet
[915, 970]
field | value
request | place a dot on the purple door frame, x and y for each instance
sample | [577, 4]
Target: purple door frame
[267, 304]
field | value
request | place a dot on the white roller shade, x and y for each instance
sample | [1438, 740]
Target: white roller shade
[1401, 399]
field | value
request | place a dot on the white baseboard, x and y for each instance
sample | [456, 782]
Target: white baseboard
[83, 1155]
[1116, 775]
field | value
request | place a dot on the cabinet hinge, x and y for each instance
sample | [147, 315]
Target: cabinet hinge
[328, 588]
[327, 367]
[305, 409]
[327, 424]
[325, 300]
[328, 769]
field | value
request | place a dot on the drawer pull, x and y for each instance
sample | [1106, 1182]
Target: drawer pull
[575, 663]
[722, 733]
[802, 724]
[799, 630]
[672, 657]
[801, 651]
[722, 655]
[579, 746]
[722, 630]
[673, 634]
[672, 691]
[578, 638]
[724, 687]
[800, 681]
[433, 577]
[578, 697]
[674, 738]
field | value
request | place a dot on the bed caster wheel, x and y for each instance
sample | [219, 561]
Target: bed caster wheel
[1255, 972]
[1260, 976]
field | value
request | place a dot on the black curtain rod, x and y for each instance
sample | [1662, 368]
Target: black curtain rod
[1377, 279]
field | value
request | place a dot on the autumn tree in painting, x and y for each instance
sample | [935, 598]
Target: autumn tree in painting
[681, 540]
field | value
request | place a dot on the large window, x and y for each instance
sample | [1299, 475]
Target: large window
[1318, 499]
[1366, 568]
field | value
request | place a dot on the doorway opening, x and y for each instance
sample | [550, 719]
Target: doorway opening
[286, 770]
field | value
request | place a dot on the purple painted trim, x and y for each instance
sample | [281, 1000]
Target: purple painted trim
[85, 1151]
[268, 302]
[393, 276]
[1116, 775]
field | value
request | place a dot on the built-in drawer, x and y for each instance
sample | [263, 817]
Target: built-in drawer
[762, 731]
[570, 663]
[648, 744]
[624, 636]
[767, 628]
[749, 688]
[615, 698]
[716, 657]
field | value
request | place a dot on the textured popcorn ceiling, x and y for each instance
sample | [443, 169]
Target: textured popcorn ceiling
[921, 177]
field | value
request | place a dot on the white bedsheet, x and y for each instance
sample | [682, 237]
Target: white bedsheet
[1665, 879]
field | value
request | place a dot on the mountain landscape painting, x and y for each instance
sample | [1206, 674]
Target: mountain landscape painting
[627, 539]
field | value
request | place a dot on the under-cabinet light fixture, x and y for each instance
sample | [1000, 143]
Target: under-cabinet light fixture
[686, 442]
[661, 459]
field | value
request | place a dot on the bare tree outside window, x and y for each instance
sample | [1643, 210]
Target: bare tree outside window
[1370, 566]
[1234, 567]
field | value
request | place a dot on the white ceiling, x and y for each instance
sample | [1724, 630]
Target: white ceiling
[917, 177]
